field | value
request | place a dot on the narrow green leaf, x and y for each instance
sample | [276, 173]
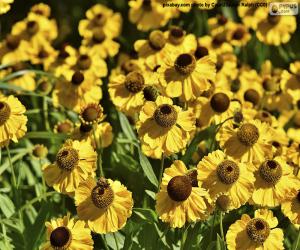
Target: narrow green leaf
[126, 127]
[45, 135]
[151, 194]
[147, 168]
[7, 206]
[146, 214]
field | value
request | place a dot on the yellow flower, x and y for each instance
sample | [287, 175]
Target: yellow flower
[257, 233]
[271, 186]
[148, 14]
[126, 91]
[218, 174]
[75, 162]
[12, 120]
[290, 207]
[238, 34]
[179, 199]
[291, 80]
[100, 17]
[184, 76]
[274, 29]
[248, 143]
[248, 13]
[104, 205]
[5, 6]
[216, 43]
[91, 113]
[164, 128]
[39, 151]
[293, 153]
[80, 89]
[65, 127]
[218, 23]
[103, 134]
[67, 233]
[40, 9]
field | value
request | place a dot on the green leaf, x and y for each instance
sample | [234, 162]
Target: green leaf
[126, 127]
[150, 193]
[147, 168]
[220, 244]
[146, 214]
[7, 206]
[45, 135]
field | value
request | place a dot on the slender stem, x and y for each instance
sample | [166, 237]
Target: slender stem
[297, 241]
[212, 228]
[117, 245]
[162, 163]
[12, 168]
[36, 199]
[43, 180]
[45, 112]
[99, 151]
[221, 226]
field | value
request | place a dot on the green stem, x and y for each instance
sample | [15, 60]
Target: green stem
[221, 226]
[212, 228]
[117, 245]
[45, 112]
[162, 163]
[183, 239]
[12, 168]
[43, 181]
[99, 151]
[297, 241]
[36, 199]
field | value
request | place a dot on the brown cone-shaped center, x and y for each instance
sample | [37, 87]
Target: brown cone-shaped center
[278, 147]
[185, 64]
[223, 202]
[4, 112]
[235, 86]
[67, 158]
[43, 54]
[222, 20]
[91, 113]
[157, 40]
[298, 196]
[296, 119]
[220, 63]
[98, 36]
[193, 177]
[165, 115]
[102, 194]
[99, 19]
[84, 62]
[63, 54]
[251, 95]
[64, 127]
[85, 128]
[273, 19]
[134, 82]
[12, 42]
[150, 93]
[179, 188]
[228, 172]
[258, 230]
[176, 35]
[129, 66]
[248, 134]
[298, 104]
[60, 238]
[270, 171]
[238, 117]
[270, 85]
[32, 27]
[238, 33]
[77, 78]
[264, 116]
[147, 5]
[200, 52]
[218, 40]
[220, 102]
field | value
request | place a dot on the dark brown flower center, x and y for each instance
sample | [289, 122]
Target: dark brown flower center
[220, 102]
[91, 113]
[270, 85]
[248, 134]
[60, 238]
[85, 128]
[40, 151]
[179, 188]
[19, 66]
[64, 127]
[32, 27]
[238, 117]
[99, 19]
[84, 62]
[258, 230]
[67, 158]
[273, 19]
[298, 196]
[12, 42]
[147, 5]
[192, 175]
[264, 116]
[298, 104]
[185, 64]
[77, 78]
[4, 112]
[251, 95]
[157, 40]
[129, 66]
[150, 93]
[98, 36]
[296, 119]
[223, 202]
[239, 33]
[63, 54]
[200, 52]
[235, 85]
[218, 40]
[222, 20]
[134, 82]
[165, 115]
[176, 35]
[220, 63]
[43, 54]
[278, 147]
[228, 172]
[270, 171]
[102, 194]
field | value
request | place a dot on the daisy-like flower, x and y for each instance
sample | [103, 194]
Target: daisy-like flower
[218, 174]
[216, 43]
[164, 128]
[39, 151]
[91, 113]
[5, 6]
[104, 205]
[99, 17]
[238, 34]
[184, 76]
[64, 127]
[179, 199]
[274, 29]
[12, 120]
[148, 14]
[40, 9]
[67, 233]
[293, 153]
[256, 233]
[290, 207]
[75, 162]
[271, 179]
[248, 143]
[291, 80]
